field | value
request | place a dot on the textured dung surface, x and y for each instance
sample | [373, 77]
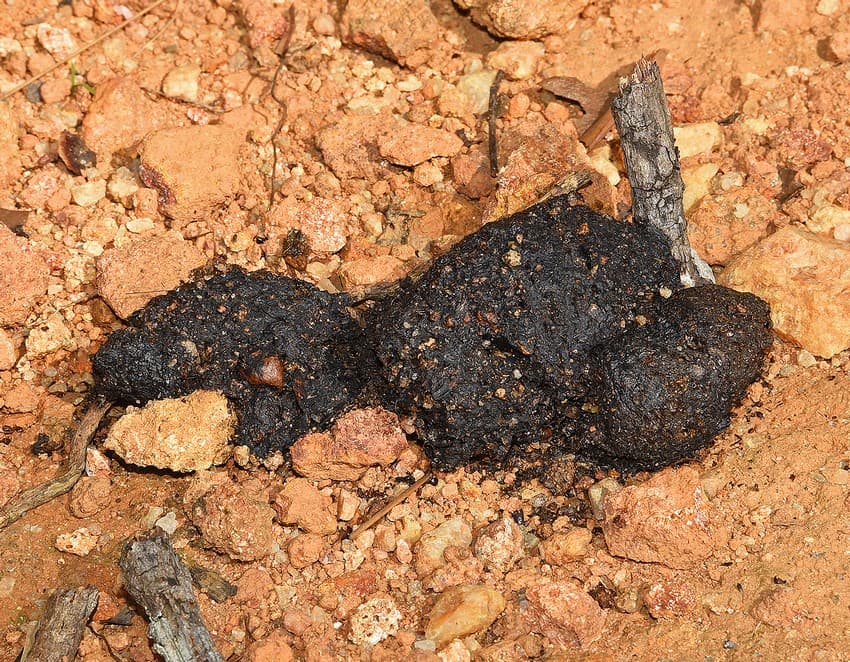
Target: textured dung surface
[489, 348]
[667, 389]
[214, 334]
[544, 330]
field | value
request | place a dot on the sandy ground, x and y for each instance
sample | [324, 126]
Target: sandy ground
[740, 554]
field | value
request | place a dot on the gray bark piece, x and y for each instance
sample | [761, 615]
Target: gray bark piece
[652, 161]
[61, 627]
[161, 584]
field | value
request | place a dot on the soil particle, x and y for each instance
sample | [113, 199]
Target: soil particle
[180, 434]
[194, 169]
[671, 598]
[234, 519]
[518, 59]
[370, 272]
[565, 613]
[721, 227]
[463, 610]
[79, 542]
[412, 144]
[325, 224]
[374, 621]
[500, 545]
[301, 504]
[23, 279]
[305, 549]
[429, 552]
[392, 29]
[359, 439]
[10, 344]
[523, 19]
[89, 496]
[666, 520]
[274, 648]
[779, 270]
[119, 117]
[130, 276]
[566, 547]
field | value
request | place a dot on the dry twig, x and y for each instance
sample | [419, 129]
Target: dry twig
[492, 116]
[61, 626]
[392, 503]
[169, 21]
[605, 121]
[41, 494]
[82, 49]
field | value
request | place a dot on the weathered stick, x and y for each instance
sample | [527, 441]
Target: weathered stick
[392, 503]
[82, 49]
[61, 627]
[40, 494]
[161, 584]
[646, 134]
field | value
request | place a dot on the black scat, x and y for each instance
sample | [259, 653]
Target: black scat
[201, 334]
[522, 337]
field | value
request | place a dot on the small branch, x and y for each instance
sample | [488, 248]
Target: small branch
[492, 116]
[161, 31]
[82, 49]
[652, 162]
[605, 121]
[161, 584]
[41, 494]
[392, 503]
[61, 627]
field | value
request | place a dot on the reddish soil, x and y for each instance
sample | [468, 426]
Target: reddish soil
[767, 82]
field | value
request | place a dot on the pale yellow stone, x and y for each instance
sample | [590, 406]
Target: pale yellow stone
[805, 278]
[463, 610]
[181, 434]
[826, 220]
[697, 179]
[602, 162]
[699, 138]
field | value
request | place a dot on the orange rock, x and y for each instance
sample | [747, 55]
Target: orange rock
[431, 549]
[805, 279]
[412, 144]
[463, 610]
[565, 613]
[324, 223]
[666, 520]
[266, 21]
[305, 549]
[273, 648]
[368, 272]
[180, 434]
[194, 169]
[670, 598]
[90, 495]
[233, 519]
[300, 503]
[130, 276]
[563, 548]
[23, 278]
[471, 173]
[523, 19]
[394, 29]
[721, 227]
[500, 544]
[120, 115]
